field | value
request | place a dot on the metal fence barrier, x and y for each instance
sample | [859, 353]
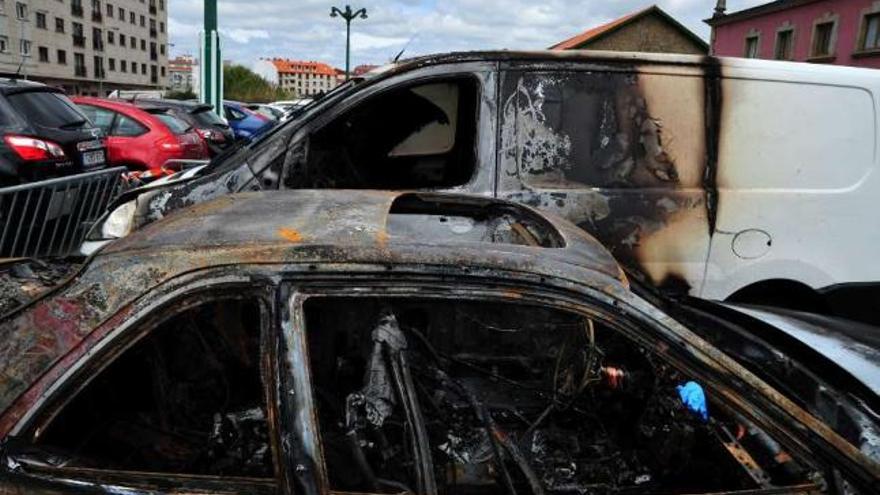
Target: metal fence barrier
[52, 217]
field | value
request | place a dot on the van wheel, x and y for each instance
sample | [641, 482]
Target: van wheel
[783, 294]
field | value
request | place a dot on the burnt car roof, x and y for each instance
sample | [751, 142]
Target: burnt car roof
[283, 228]
[288, 221]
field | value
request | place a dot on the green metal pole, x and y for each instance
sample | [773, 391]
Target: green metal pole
[212, 65]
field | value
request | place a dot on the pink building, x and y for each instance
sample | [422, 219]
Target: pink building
[841, 32]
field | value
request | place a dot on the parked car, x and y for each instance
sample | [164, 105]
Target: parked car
[148, 140]
[272, 112]
[245, 123]
[696, 172]
[213, 129]
[375, 342]
[44, 134]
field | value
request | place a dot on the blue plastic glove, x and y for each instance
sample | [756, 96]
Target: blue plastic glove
[693, 397]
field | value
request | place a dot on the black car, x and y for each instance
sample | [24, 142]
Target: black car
[45, 135]
[216, 133]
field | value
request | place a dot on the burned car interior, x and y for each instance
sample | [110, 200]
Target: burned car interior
[185, 399]
[448, 396]
[420, 136]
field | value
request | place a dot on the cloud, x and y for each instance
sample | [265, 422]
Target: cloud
[305, 30]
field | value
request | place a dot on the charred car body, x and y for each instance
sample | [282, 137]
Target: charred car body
[687, 168]
[374, 342]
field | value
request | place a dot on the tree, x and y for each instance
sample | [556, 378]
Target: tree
[242, 84]
[181, 95]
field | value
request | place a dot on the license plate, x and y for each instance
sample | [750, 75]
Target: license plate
[92, 158]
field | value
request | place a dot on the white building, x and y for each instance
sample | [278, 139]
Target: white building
[305, 78]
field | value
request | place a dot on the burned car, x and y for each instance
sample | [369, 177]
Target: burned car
[686, 168]
[378, 342]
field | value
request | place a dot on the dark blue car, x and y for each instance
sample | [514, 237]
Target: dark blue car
[246, 124]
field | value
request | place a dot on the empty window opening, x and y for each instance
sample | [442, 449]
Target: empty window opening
[186, 399]
[442, 396]
[421, 136]
[823, 39]
[784, 45]
[419, 217]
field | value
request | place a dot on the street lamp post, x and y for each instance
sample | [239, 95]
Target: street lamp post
[349, 16]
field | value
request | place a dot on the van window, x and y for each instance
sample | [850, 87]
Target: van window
[602, 129]
[420, 136]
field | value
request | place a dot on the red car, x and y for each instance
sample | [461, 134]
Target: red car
[148, 140]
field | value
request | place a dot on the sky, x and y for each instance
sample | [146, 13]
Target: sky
[304, 30]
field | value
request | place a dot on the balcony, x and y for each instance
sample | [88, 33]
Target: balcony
[79, 40]
[80, 71]
[76, 10]
[97, 16]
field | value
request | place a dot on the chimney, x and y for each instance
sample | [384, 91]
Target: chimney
[720, 8]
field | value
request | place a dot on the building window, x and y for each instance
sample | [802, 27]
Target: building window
[784, 44]
[144, 69]
[161, 27]
[161, 4]
[4, 44]
[121, 14]
[43, 52]
[99, 68]
[134, 43]
[111, 37]
[823, 39]
[111, 64]
[25, 48]
[21, 11]
[162, 70]
[61, 55]
[110, 10]
[752, 45]
[122, 40]
[59, 25]
[123, 66]
[131, 18]
[143, 21]
[79, 64]
[871, 38]
[162, 48]
[41, 20]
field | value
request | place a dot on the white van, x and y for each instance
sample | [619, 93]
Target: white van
[732, 178]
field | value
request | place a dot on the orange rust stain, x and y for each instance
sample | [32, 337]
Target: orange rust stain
[382, 238]
[512, 294]
[290, 234]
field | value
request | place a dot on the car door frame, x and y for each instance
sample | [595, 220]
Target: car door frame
[119, 335]
[638, 321]
[483, 181]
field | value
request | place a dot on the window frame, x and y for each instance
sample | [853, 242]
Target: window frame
[296, 376]
[755, 36]
[789, 30]
[861, 48]
[820, 22]
[125, 335]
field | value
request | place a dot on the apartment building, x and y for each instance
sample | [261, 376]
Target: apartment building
[87, 47]
[305, 78]
[183, 73]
